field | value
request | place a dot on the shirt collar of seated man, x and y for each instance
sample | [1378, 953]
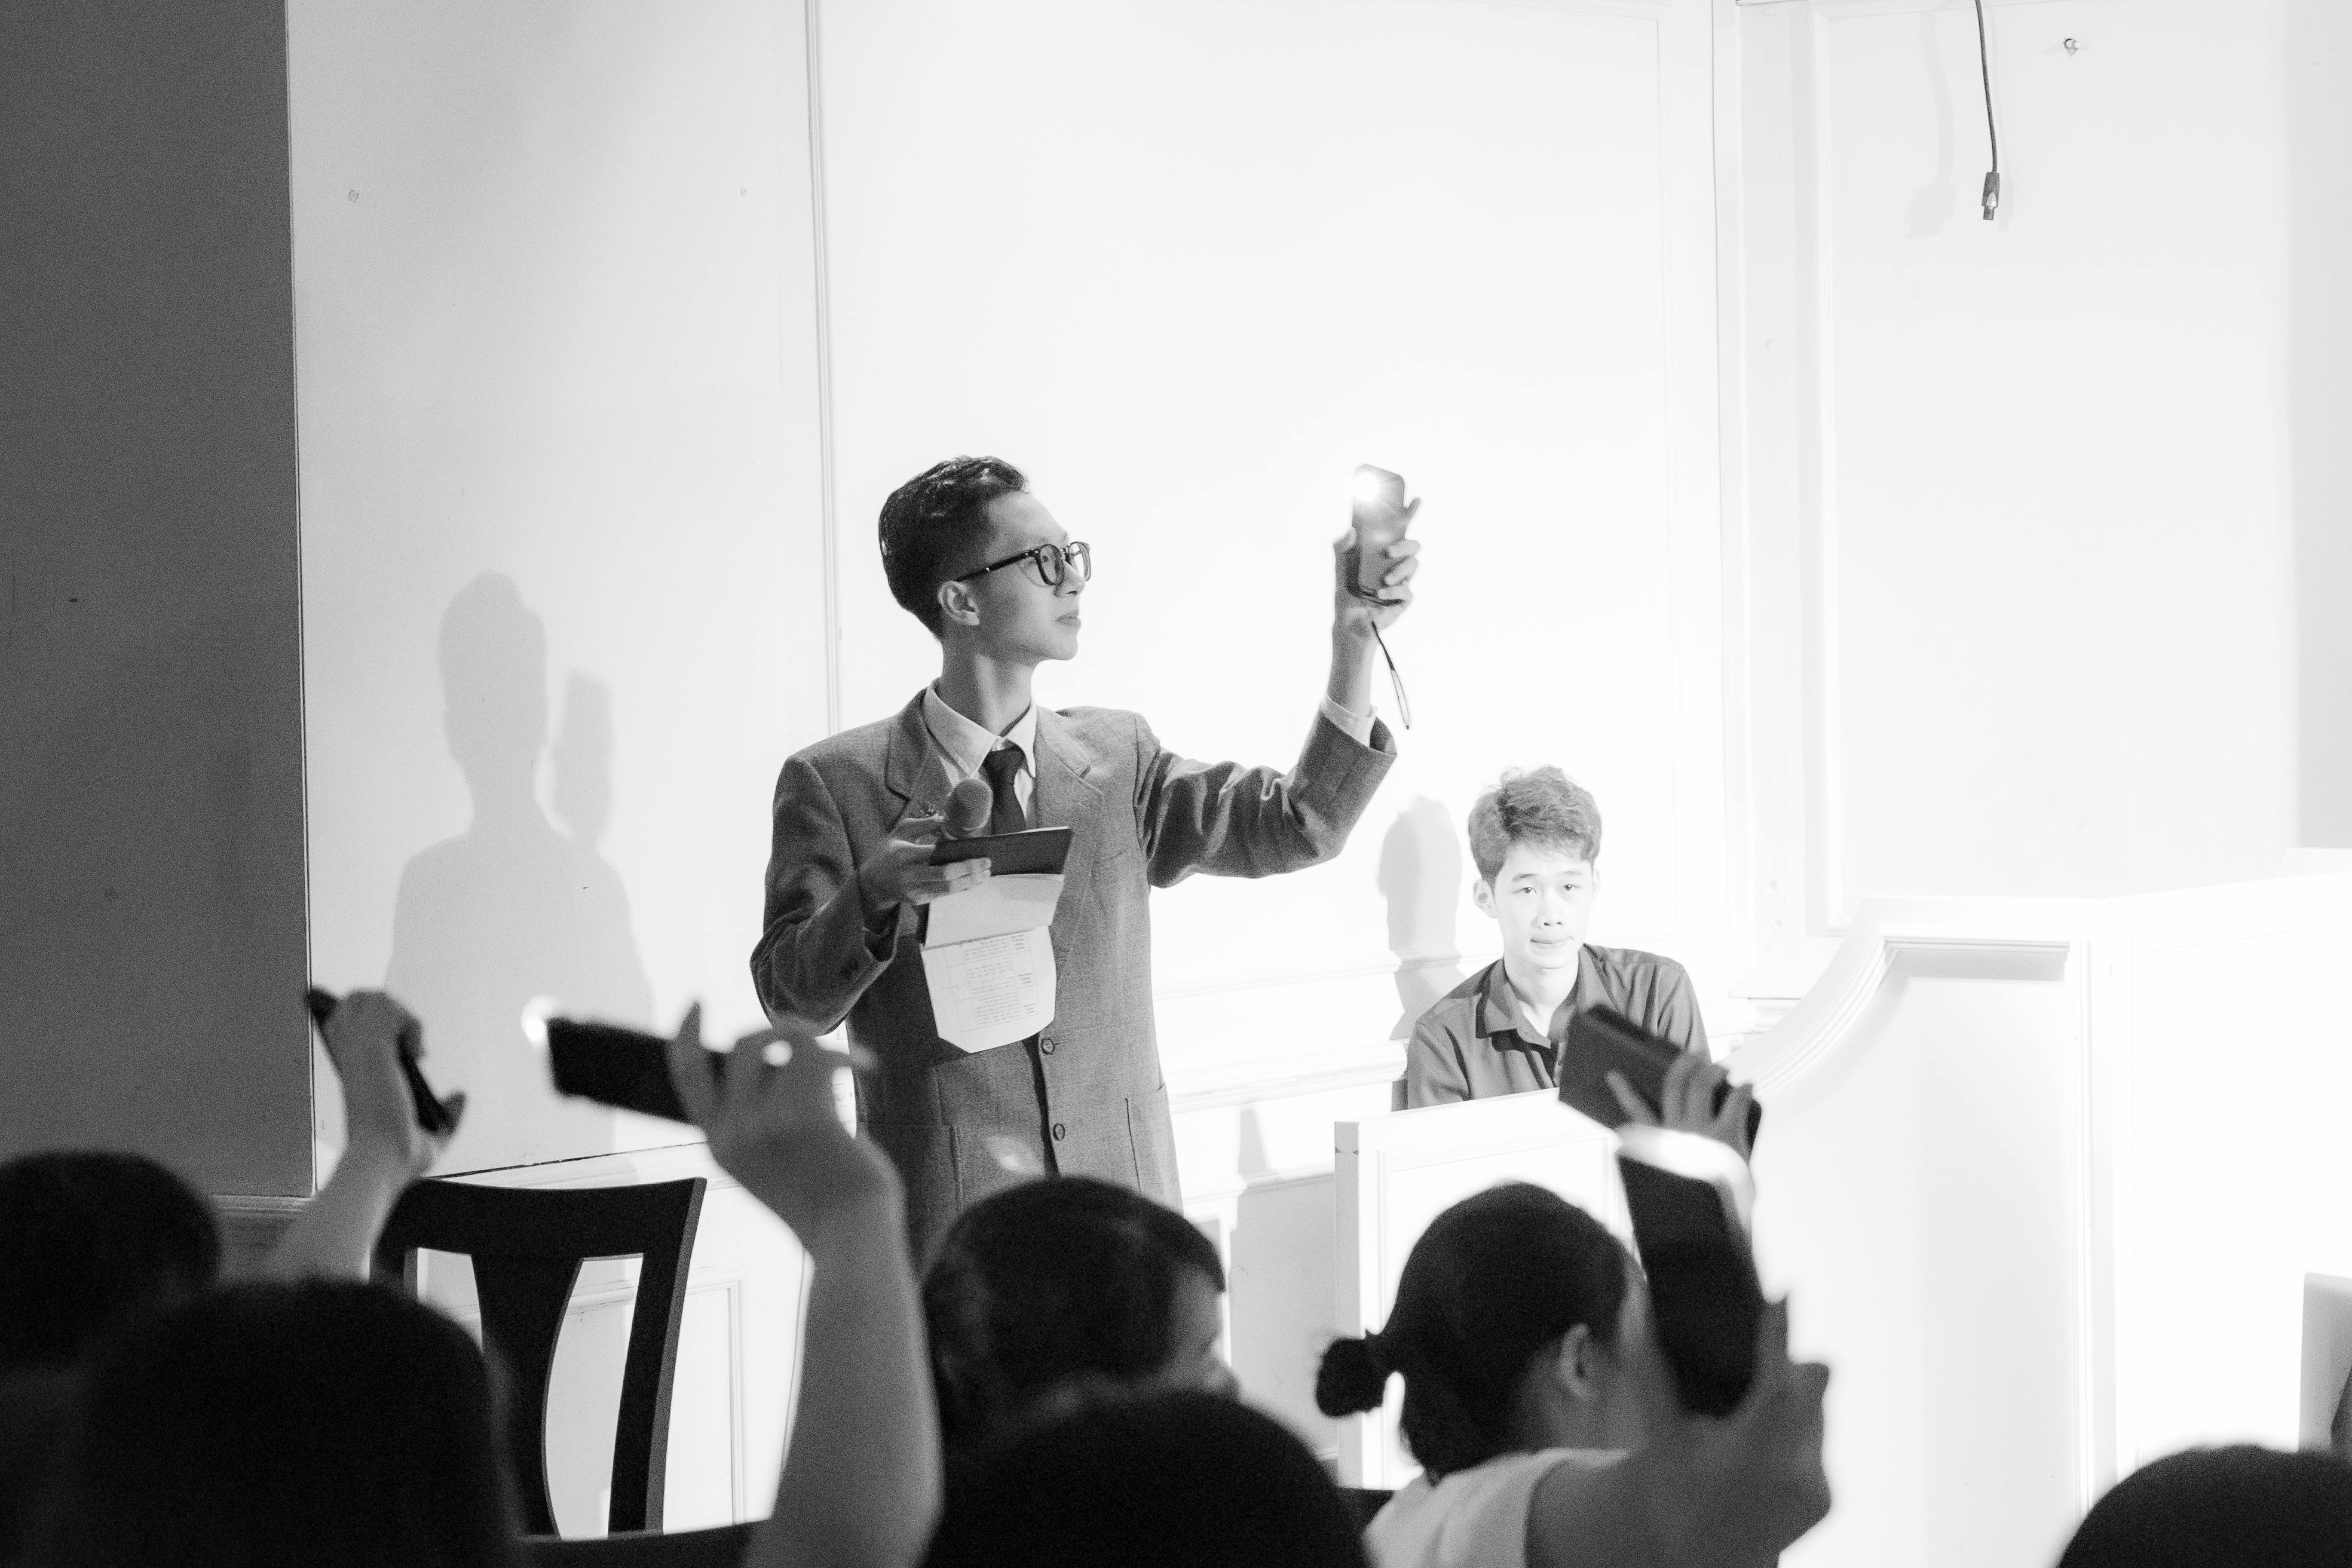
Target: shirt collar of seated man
[1541, 896]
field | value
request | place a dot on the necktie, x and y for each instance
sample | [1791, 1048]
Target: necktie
[1005, 814]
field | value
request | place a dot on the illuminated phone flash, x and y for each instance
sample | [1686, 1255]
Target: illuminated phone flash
[1369, 484]
[535, 1015]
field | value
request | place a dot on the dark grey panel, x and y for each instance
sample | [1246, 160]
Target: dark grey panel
[152, 917]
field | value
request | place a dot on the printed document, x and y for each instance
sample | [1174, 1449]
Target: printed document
[988, 958]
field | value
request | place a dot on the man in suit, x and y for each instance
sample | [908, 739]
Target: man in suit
[972, 554]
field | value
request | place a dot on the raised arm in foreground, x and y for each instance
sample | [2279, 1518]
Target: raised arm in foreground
[383, 1147]
[861, 1478]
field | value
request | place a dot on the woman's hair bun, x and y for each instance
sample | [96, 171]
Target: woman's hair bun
[1353, 1378]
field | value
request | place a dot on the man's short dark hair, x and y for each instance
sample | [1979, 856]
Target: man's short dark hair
[933, 525]
[1052, 1282]
[1535, 805]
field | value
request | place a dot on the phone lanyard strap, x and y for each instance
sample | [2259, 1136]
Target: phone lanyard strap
[1396, 681]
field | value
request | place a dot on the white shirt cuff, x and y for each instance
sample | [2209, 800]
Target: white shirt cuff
[1356, 726]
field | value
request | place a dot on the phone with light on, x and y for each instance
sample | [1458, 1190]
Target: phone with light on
[1380, 515]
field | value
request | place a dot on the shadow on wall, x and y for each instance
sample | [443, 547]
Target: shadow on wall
[512, 908]
[1421, 880]
[2318, 54]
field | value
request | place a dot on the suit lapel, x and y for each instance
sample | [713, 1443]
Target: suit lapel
[1069, 795]
[912, 771]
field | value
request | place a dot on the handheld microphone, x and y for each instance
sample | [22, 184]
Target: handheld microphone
[968, 807]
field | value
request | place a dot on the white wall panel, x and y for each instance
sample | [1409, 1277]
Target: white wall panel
[556, 342]
[2014, 504]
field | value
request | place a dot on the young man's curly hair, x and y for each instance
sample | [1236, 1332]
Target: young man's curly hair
[1533, 806]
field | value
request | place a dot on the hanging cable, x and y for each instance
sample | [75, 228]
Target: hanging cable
[1992, 131]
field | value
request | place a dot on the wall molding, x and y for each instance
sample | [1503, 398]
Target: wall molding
[828, 528]
[1992, 938]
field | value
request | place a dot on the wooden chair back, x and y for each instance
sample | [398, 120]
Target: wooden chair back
[527, 1245]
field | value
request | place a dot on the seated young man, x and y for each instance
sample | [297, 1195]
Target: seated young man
[1535, 837]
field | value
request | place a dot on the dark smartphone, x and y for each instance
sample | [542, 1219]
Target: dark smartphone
[618, 1066]
[1599, 1039]
[431, 1114]
[1687, 1198]
[1381, 517]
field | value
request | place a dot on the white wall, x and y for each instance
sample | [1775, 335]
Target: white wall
[556, 330]
[2012, 501]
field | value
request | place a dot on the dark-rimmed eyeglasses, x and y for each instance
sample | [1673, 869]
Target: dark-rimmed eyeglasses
[1054, 562]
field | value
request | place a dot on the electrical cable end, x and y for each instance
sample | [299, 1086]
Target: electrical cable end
[1991, 194]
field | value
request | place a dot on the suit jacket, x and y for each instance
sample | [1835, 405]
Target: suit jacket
[1086, 1097]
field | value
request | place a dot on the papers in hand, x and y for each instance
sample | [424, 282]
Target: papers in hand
[988, 956]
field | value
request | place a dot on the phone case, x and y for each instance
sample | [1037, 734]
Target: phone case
[624, 1067]
[1039, 849]
[1687, 1206]
[1599, 1039]
[1379, 519]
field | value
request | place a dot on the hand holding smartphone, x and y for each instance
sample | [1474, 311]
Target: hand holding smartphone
[624, 1067]
[1689, 1198]
[1380, 515]
[1601, 1041]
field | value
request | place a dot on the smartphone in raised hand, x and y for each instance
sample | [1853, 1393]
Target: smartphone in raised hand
[1689, 1199]
[1602, 1040]
[432, 1115]
[1381, 516]
[616, 1066]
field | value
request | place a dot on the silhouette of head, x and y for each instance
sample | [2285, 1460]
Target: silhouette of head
[1059, 1281]
[92, 1240]
[2221, 1508]
[1147, 1480]
[315, 1423]
[494, 686]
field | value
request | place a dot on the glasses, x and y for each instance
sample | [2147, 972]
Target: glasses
[1055, 563]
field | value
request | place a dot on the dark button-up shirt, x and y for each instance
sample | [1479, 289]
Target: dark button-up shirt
[1472, 1042]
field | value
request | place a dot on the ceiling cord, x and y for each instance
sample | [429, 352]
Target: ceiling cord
[1992, 131]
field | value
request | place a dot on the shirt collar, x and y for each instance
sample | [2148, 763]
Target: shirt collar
[1499, 1004]
[966, 745]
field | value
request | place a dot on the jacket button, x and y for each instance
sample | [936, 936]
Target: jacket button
[1045, 1044]
[1060, 1132]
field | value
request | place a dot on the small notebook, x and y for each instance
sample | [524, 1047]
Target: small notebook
[1040, 849]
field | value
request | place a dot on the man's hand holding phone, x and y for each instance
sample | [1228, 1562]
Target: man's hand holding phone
[901, 872]
[775, 1130]
[1688, 1102]
[1373, 562]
